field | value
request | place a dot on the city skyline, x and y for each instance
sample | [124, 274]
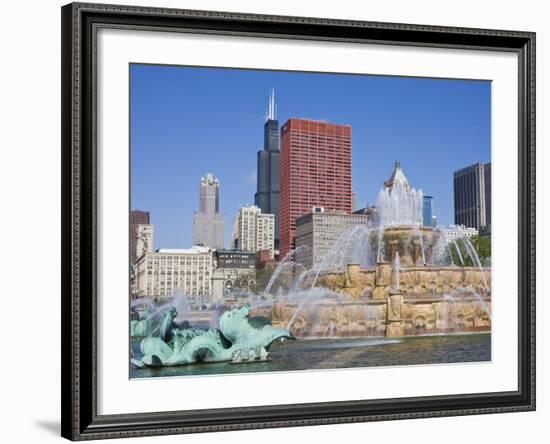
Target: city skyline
[170, 133]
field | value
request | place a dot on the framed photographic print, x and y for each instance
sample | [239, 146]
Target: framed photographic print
[278, 221]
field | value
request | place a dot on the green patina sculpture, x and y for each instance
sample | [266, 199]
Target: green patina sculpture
[140, 327]
[238, 339]
[141, 324]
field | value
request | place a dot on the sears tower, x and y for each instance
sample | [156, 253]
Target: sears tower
[267, 193]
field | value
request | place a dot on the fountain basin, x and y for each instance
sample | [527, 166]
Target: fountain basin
[432, 300]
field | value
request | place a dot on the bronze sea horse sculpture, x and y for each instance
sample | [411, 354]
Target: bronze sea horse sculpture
[239, 338]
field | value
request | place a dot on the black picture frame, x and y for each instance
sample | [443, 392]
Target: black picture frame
[79, 209]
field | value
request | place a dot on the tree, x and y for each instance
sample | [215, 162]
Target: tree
[460, 252]
[482, 244]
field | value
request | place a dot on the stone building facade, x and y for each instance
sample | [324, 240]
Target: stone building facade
[458, 231]
[166, 271]
[317, 231]
[234, 275]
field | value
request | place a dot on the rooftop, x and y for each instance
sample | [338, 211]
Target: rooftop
[210, 179]
[196, 249]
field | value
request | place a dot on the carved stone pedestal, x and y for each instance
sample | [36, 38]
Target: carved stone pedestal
[443, 316]
[382, 280]
[395, 329]
[395, 326]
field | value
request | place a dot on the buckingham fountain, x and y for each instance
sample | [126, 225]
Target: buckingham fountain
[390, 278]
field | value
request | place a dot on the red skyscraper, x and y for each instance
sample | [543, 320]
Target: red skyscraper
[315, 172]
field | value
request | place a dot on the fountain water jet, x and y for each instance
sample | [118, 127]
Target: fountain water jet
[458, 252]
[475, 260]
[395, 272]
[278, 271]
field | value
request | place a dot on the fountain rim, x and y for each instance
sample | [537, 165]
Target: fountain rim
[413, 268]
[397, 227]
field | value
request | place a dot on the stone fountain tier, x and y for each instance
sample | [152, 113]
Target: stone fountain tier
[414, 244]
[397, 315]
[429, 300]
[419, 281]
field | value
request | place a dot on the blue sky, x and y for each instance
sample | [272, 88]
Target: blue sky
[187, 121]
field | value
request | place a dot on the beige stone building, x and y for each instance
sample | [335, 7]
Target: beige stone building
[162, 273]
[317, 231]
[234, 276]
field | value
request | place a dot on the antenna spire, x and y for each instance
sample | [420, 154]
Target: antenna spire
[272, 109]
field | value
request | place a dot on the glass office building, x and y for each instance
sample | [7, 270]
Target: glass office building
[427, 211]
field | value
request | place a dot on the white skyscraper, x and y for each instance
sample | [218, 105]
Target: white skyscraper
[208, 222]
[254, 230]
[265, 233]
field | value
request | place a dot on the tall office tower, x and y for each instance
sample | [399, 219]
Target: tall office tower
[470, 196]
[137, 217]
[265, 233]
[315, 172]
[254, 231]
[208, 222]
[427, 210]
[267, 193]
